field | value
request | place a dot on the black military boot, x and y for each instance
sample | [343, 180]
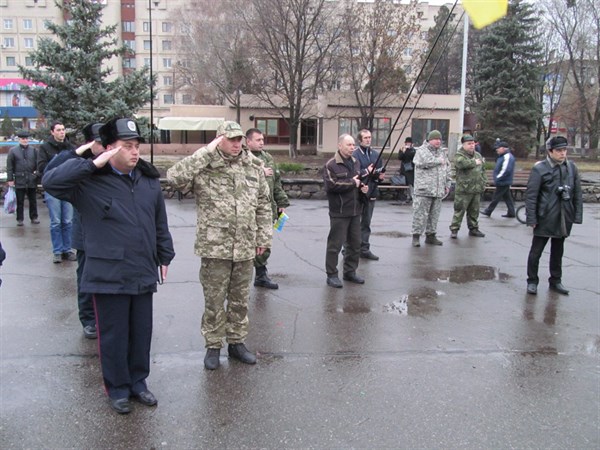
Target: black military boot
[415, 240]
[431, 239]
[262, 279]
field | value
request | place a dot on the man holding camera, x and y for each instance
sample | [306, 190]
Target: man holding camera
[367, 157]
[554, 203]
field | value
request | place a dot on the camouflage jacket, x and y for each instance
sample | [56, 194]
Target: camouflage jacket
[232, 203]
[279, 198]
[470, 178]
[432, 171]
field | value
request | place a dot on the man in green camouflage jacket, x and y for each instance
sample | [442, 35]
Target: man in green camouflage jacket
[255, 142]
[235, 223]
[470, 183]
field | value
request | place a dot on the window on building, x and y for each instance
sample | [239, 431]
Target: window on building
[147, 62]
[166, 45]
[130, 44]
[186, 99]
[28, 42]
[129, 63]
[28, 61]
[10, 61]
[147, 44]
[9, 42]
[379, 132]
[421, 127]
[168, 80]
[168, 99]
[129, 27]
[27, 24]
[167, 27]
[167, 63]
[276, 131]
[146, 26]
[8, 24]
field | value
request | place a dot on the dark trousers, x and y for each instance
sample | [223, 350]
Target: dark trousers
[343, 230]
[85, 302]
[124, 324]
[31, 198]
[502, 193]
[556, 253]
[365, 225]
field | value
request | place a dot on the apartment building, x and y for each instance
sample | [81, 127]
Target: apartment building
[149, 28]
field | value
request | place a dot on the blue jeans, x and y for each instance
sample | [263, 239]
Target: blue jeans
[61, 218]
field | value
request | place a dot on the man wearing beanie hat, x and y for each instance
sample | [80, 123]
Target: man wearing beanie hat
[128, 249]
[553, 202]
[503, 179]
[432, 183]
[90, 149]
[470, 183]
[21, 172]
[235, 224]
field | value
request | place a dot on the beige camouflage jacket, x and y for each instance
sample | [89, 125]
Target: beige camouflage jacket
[432, 171]
[232, 202]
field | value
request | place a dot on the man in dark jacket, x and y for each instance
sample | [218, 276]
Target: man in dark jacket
[554, 203]
[406, 155]
[342, 184]
[128, 248]
[21, 172]
[92, 148]
[367, 157]
[503, 179]
[61, 212]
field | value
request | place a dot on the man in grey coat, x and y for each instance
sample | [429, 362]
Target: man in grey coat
[21, 172]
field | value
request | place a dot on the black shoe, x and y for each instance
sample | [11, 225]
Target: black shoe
[453, 234]
[19, 223]
[353, 278]
[89, 331]
[211, 359]
[69, 256]
[558, 287]
[146, 398]
[57, 258]
[483, 212]
[334, 281]
[120, 405]
[266, 283]
[475, 232]
[415, 240]
[510, 216]
[35, 221]
[369, 255]
[241, 353]
[532, 288]
[431, 239]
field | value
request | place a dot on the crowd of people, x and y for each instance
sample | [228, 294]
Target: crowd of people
[107, 212]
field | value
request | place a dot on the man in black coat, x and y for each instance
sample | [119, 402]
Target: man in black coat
[21, 172]
[554, 203]
[128, 246]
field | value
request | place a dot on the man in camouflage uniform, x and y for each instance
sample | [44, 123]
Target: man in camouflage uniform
[235, 223]
[470, 182]
[432, 184]
[255, 142]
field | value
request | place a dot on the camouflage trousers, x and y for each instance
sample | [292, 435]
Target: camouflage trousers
[426, 213]
[468, 203]
[225, 280]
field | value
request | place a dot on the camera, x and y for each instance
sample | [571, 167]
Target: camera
[565, 192]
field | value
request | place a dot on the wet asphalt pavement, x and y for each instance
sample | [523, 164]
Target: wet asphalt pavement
[440, 348]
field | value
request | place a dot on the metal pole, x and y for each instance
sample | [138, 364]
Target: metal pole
[463, 78]
[151, 87]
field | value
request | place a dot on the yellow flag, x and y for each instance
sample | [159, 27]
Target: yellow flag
[485, 12]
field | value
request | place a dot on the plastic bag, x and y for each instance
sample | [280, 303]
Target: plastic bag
[10, 201]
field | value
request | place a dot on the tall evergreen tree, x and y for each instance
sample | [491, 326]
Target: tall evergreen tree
[507, 77]
[71, 66]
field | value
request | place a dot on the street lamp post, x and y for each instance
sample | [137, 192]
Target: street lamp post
[151, 81]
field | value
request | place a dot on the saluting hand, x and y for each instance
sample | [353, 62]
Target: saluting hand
[213, 144]
[104, 157]
[81, 149]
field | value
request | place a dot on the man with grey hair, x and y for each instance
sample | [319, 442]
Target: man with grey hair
[342, 184]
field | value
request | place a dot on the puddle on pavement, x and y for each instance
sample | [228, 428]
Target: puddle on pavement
[420, 302]
[464, 274]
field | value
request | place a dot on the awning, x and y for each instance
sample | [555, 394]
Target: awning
[190, 123]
